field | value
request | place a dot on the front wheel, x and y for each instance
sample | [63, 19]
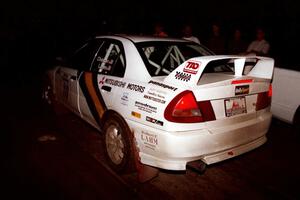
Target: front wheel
[49, 100]
[117, 144]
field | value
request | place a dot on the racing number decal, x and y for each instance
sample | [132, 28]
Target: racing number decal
[89, 86]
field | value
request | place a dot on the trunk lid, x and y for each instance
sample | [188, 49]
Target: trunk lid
[244, 90]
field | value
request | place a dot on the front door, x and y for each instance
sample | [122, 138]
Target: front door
[66, 82]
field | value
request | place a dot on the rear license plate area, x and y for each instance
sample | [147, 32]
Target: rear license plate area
[235, 106]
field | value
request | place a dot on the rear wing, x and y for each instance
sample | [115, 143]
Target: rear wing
[189, 72]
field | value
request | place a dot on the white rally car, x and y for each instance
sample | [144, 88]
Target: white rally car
[169, 100]
[286, 96]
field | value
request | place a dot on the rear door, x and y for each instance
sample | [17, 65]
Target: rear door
[110, 66]
[104, 79]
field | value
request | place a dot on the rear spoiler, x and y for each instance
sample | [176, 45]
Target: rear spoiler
[189, 72]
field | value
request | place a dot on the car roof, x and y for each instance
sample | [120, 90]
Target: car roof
[143, 38]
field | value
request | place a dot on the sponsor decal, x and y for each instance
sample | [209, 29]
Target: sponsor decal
[156, 94]
[158, 91]
[99, 59]
[145, 107]
[154, 99]
[115, 83]
[191, 67]
[183, 76]
[101, 82]
[135, 87]
[150, 140]
[154, 121]
[136, 114]
[124, 99]
[242, 89]
[163, 85]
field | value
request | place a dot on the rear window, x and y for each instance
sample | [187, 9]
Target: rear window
[219, 66]
[161, 58]
[227, 66]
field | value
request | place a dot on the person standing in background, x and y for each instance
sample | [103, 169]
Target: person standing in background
[159, 31]
[259, 46]
[188, 34]
[216, 42]
[237, 45]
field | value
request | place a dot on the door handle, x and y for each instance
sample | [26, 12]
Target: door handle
[106, 88]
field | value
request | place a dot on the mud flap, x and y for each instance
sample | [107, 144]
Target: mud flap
[197, 166]
[144, 172]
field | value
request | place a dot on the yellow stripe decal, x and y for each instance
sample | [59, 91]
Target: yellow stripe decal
[91, 89]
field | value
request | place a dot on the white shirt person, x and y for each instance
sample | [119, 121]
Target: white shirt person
[259, 46]
[188, 34]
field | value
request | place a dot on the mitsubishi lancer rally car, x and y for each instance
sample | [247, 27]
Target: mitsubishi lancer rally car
[168, 101]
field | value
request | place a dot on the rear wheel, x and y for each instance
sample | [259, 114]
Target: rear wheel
[117, 144]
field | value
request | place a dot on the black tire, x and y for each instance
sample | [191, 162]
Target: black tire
[117, 145]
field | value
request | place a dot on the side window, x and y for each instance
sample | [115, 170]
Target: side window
[110, 59]
[83, 57]
[163, 59]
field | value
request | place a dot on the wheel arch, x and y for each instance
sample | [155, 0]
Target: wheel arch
[109, 113]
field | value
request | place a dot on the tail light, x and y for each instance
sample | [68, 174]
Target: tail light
[185, 109]
[270, 92]
[264, 99]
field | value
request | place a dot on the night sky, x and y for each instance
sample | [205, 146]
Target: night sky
[41, 30]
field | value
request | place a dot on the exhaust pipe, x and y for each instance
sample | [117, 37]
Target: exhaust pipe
[197, 166]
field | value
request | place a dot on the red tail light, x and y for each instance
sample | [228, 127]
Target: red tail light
[185, 109]
[270, 93]
[207, 111]
[264, 99]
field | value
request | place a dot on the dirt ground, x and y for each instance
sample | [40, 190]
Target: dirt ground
[46, 157]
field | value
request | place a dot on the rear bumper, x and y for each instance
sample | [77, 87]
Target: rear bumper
[172, 150]
[235, 151]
